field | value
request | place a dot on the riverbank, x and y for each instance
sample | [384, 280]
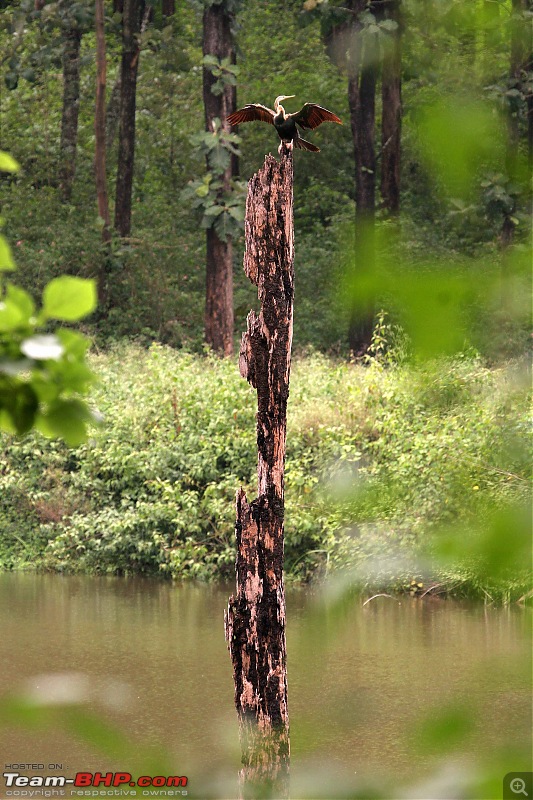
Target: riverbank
[394, 474]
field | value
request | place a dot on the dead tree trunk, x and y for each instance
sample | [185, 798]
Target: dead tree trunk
[255, 620]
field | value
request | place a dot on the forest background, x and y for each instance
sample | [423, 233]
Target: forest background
[408, 406]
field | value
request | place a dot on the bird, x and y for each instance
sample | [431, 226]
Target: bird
[309, 116]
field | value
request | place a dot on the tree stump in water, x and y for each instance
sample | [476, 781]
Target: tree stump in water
[255, 620]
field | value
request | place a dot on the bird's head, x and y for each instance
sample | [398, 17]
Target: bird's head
[279, 99]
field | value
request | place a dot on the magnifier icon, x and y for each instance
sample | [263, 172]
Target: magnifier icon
[518, 786]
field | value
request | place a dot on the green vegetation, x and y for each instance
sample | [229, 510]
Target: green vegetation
[42, 374]
[428, 435]
[454, 198]
[379, 457]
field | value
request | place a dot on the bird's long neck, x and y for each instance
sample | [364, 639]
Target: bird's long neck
[280, 111]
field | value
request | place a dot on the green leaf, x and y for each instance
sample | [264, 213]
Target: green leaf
[237, 212]
[8, 163]
[11, 80]
[21, 405]
[67, 419]
[6, 259]
[74, 343]
[21, 299]
[219, 159]
[11, 316]
[29, 75]
[213, 211]
[69, 298]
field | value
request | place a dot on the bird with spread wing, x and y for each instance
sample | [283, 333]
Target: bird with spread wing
[310, 116]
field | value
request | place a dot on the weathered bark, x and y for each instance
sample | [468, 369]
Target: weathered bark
[362, 78]
[100, 151]
[112, 114]
[255, 620]
[391, 121]
[529, 111]
[218, 41]
[168, 8]
[71, 104]
[126, 147]
[519, 57]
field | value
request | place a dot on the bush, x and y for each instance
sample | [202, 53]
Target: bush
[376, 459]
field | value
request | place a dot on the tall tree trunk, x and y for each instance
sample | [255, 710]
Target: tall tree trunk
[112, 114]
[168, 8]
[69, 118]
[519, 57]
[255, 620]
[517, 62]
[126, 147]
[529, 111]
[218, 41]
[100, 152]
[391, 121]
[362, 78]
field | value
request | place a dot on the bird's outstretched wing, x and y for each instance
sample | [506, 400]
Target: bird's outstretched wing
[251, 113]
[311, 116]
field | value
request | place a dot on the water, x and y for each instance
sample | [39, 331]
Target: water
[150, 657]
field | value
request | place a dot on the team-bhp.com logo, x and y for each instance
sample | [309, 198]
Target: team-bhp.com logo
[18, 785]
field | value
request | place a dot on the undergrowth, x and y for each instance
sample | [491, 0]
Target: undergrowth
[384, 464]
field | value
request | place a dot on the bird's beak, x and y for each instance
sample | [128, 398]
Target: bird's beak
[288, 96]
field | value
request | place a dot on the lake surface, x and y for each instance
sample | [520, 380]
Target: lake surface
[150, 658]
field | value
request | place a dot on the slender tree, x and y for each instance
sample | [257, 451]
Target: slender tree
[71, 96]
[354, 46]
[520, 55]
[362, 64]
[218, 42]
[391, 114]
[100, 150]
[128, 91]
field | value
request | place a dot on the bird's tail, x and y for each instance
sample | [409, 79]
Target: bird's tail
[304, 145]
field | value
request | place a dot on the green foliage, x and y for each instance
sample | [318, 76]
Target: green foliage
[223, 70]
[222, 206]
[448, 218]
[403, 452]
[41, 373]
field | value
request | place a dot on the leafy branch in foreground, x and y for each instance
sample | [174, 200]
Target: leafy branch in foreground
[42, 373]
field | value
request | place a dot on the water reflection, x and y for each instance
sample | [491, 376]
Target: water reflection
[155, 661]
